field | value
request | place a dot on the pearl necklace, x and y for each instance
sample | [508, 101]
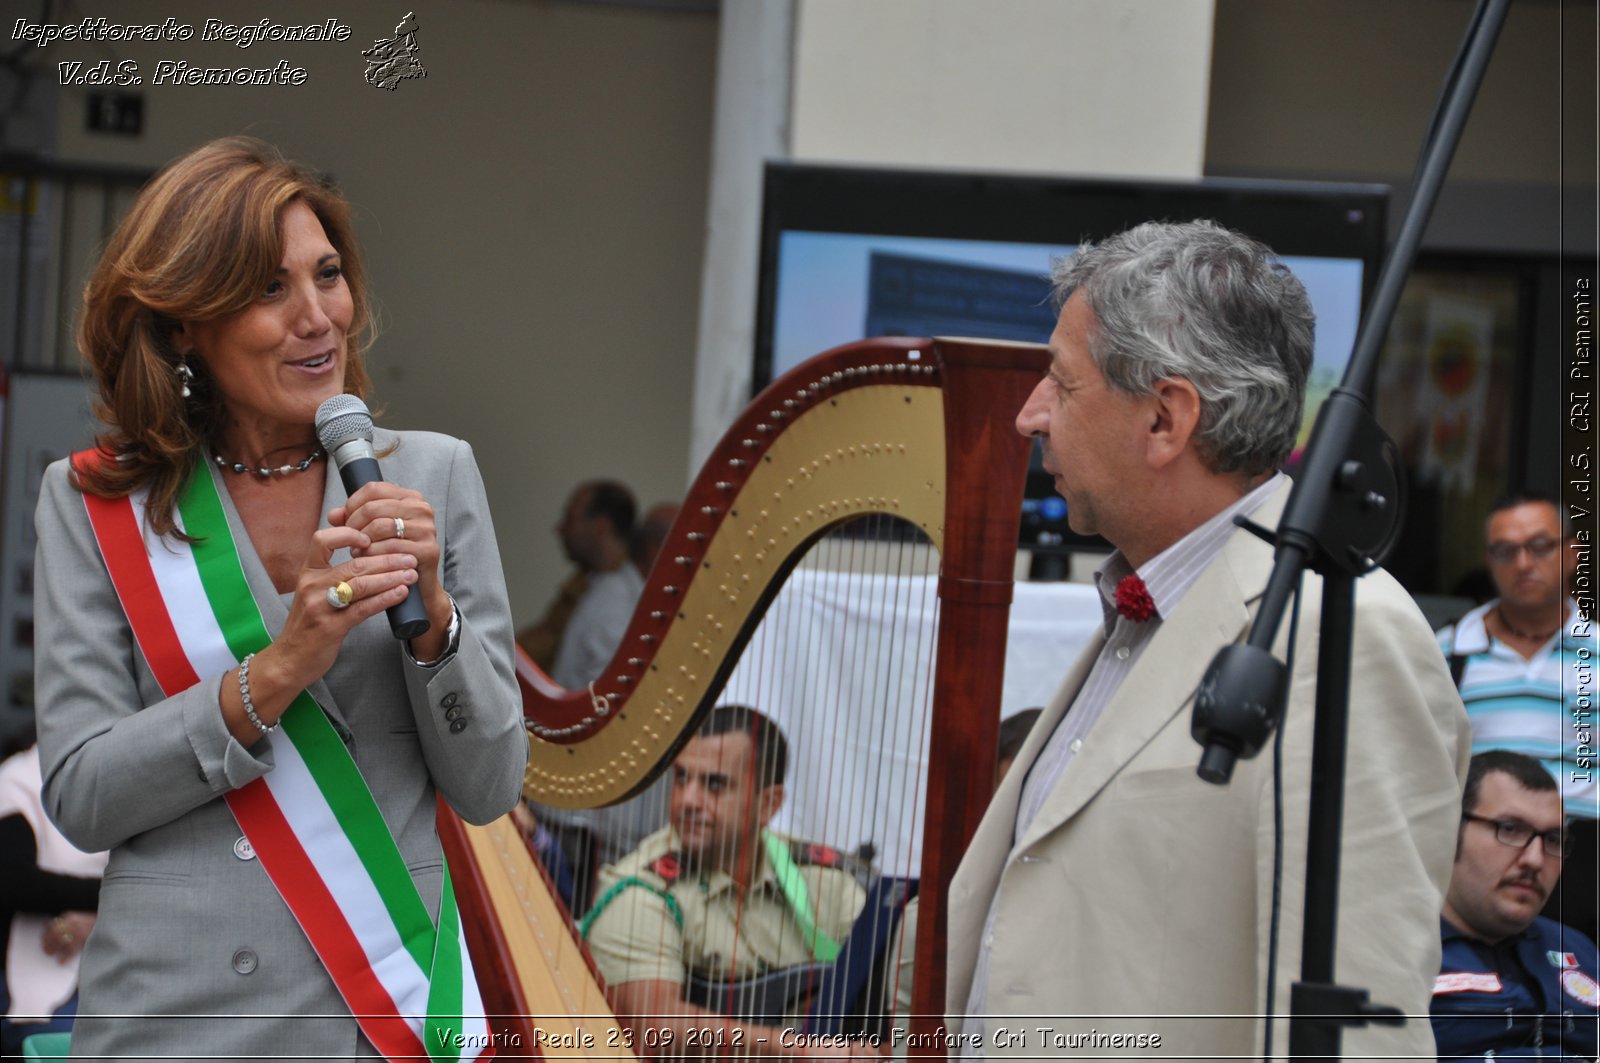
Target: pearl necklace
[263, 471]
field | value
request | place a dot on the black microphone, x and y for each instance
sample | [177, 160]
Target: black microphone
[344, 427]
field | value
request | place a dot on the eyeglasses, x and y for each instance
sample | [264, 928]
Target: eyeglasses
[1517, 834]
[1538, 549]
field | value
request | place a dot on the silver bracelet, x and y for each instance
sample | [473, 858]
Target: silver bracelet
[452, 640]
[244, 695]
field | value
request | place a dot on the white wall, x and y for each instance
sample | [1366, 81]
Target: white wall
[1086, 87]
[1058, 86]
[1305, 88]
[754, 59]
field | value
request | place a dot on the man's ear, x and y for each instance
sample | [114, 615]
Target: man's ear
[768, 803]
[1174, 417]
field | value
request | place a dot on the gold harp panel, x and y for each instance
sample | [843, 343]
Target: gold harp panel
[571, 1018]
[873, 449]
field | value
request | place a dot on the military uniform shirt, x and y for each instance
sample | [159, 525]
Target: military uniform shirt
[635, 937]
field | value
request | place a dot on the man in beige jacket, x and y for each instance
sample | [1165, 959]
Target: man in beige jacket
[1111, 902]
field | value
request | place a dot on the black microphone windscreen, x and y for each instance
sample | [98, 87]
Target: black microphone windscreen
[341, 419]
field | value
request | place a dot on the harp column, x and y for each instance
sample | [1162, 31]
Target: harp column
[987, 464]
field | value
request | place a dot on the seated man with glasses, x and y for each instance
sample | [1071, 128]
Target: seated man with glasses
[1525, 665]
[1512, 984]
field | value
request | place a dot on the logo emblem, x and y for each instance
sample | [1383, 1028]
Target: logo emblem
[392, 60]
[1581, 987]
[1466, 982]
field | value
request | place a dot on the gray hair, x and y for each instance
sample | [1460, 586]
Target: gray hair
[1212, 306]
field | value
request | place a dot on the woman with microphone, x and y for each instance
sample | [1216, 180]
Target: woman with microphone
[221, 701]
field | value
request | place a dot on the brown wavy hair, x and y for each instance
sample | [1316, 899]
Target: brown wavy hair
[201, 242]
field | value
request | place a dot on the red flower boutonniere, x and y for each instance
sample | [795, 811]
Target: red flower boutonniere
[1133, 599]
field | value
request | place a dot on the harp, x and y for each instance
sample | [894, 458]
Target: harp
[919, 430]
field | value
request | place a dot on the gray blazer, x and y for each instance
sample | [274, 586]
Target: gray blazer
[193, 942]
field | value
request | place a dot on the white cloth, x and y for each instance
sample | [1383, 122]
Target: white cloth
[843, 664]
[39, 983]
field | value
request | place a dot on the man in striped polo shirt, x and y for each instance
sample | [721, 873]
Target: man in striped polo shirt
[1525, 665]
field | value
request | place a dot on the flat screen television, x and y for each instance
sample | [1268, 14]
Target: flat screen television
[849, 253]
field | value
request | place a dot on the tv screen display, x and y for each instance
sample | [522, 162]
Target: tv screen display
[851, 253]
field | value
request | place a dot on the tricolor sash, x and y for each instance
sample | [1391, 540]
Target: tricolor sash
[312, 820]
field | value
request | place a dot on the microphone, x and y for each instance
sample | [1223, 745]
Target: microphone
[344, 427]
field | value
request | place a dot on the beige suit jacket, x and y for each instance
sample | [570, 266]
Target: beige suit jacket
[1139, 899]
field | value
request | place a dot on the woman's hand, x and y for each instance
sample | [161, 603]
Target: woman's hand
[316, 628]
[64, 935]
[399, 520]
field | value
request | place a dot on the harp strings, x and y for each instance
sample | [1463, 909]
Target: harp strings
[853, 686]
[843, 664]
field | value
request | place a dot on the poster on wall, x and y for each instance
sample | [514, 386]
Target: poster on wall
[1455, 387]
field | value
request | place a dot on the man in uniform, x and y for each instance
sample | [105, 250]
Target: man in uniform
[1512, 983]
[683, 924]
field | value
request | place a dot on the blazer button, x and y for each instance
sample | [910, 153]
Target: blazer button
[457, 726]
[450, 699]
[452, 712]
[243, 849]
[245, 961]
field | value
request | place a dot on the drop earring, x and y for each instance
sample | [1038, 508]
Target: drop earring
[185, 378]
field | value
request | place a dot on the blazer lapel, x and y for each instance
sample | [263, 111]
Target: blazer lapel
[1001, 814]
[1213, 612]
[1054, 712]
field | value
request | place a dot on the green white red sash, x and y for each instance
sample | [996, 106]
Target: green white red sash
[312, 820]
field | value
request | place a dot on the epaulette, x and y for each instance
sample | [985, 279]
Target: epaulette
[811, 853]
[817, 855]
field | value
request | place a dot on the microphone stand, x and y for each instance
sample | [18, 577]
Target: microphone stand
[1341, 519]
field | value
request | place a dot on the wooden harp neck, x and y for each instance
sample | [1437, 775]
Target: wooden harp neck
[917, 429]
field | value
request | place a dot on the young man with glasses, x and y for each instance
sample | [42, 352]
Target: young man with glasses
[1525, 665]
[1511, 983]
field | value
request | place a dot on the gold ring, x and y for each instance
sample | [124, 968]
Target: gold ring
[341, 594]
[399, 527]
